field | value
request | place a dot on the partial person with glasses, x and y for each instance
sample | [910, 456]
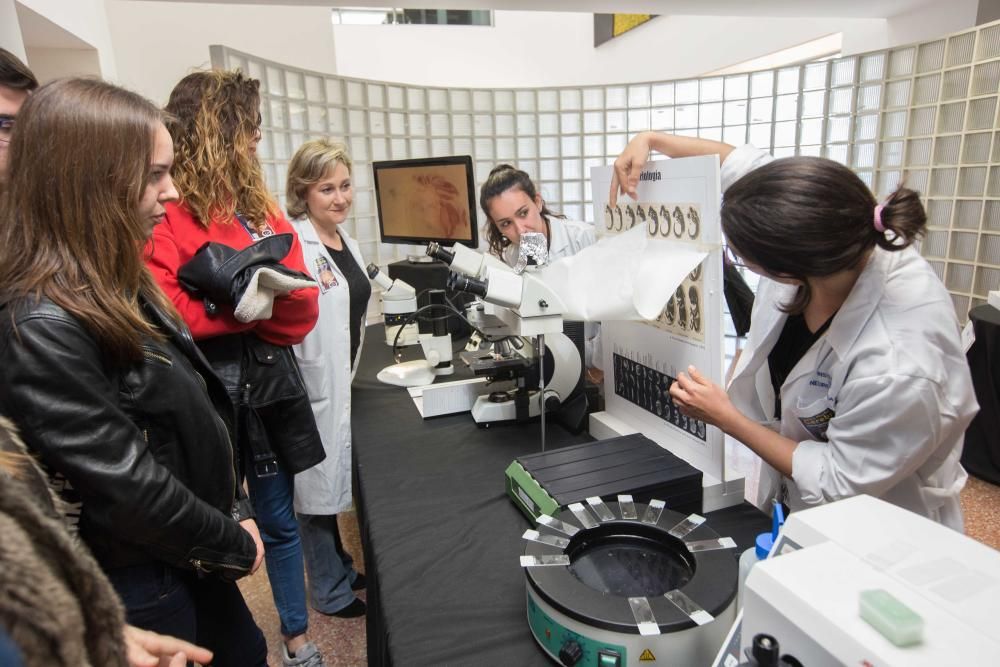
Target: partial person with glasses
[102, 379]
[16, 83]
[226, 211]
[853, 379]
[320, 193]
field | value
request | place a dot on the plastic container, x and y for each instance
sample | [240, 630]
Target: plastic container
[760, 550]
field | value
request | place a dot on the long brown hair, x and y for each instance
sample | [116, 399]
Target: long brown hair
[70, 226]
[213, 118]
[502, 178]
[803, 217]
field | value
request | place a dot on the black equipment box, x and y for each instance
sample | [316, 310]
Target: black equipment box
[630, 464]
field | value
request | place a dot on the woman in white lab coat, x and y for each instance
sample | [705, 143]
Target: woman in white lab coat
[319, 200]
[513, 206]
[853, 379]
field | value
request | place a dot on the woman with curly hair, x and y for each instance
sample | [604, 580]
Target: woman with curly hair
[225, 206]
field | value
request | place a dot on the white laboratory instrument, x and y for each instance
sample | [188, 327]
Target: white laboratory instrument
[807, 594]
[399, 308]
[399, 302]
[545, 372]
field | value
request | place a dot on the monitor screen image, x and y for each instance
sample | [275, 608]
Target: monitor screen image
[426, 199]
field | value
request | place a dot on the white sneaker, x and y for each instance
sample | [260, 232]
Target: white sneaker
[307, 656]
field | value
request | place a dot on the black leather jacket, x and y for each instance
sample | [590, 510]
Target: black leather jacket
[146, 446]
[275, 422]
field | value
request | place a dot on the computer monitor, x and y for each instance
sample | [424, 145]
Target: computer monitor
[427, 199]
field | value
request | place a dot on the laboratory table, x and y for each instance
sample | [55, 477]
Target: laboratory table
[441, 539]
[981, 455]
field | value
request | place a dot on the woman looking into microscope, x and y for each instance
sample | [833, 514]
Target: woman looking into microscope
[513, 206]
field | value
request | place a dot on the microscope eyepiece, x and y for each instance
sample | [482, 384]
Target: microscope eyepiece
[435, 250]
[462, 283]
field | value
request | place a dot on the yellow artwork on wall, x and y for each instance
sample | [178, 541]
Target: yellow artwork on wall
[625, 22]
[609, 26]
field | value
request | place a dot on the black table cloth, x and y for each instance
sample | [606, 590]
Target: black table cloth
[440, 536]
[981, 456]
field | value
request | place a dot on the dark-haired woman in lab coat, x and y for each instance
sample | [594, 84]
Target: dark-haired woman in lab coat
[853, 379]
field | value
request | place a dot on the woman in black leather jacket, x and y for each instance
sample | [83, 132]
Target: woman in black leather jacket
[103, 379]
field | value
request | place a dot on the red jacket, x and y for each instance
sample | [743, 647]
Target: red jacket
[178, 238]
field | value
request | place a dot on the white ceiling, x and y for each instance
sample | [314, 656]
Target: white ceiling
[841, 8]
[39, 32]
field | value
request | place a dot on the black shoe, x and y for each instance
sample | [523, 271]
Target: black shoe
[353, 610]
[359, 583]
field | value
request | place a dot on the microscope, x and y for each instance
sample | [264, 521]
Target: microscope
[528, 306]
[543, 365]
[399, 309]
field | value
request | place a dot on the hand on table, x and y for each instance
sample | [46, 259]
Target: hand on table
[594, 375]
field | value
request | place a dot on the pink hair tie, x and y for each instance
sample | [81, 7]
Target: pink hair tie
[878, 218]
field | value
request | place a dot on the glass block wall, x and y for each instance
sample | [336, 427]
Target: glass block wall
[924, 112]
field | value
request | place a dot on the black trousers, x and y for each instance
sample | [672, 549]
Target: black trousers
[206, 611]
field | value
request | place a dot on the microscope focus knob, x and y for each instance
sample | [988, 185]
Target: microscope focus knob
[552, 402]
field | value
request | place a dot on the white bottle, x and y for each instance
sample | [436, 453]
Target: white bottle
[760, 550]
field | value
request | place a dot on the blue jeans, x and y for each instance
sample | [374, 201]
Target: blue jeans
[205, 611]
[272, 502]
[331, 569]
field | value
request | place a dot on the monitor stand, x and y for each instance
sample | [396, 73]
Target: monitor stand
[419, 259]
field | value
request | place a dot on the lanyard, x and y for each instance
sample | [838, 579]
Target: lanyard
[254, 234]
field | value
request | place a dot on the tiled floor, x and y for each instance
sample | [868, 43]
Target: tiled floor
[342, 641]
[981, 505]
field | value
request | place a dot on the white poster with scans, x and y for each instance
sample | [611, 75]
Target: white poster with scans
[678, 204]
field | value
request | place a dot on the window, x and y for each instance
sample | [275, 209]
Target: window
[400, 16]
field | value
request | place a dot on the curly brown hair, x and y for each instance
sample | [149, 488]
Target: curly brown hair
[214, 116]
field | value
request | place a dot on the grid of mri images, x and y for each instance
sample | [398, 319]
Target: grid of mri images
[926, 113]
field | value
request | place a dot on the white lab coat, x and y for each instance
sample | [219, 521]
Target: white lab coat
[888, 382]
[324, 359]
[566, 237]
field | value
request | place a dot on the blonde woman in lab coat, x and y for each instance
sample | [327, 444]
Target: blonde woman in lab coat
[853, 379]
[319, 200]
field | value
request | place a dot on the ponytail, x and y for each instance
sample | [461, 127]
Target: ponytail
[903, 215]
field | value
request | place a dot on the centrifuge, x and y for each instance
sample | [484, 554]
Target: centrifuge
[611, 584]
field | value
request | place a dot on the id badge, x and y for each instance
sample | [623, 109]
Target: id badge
[325, 275]
[817, 424]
